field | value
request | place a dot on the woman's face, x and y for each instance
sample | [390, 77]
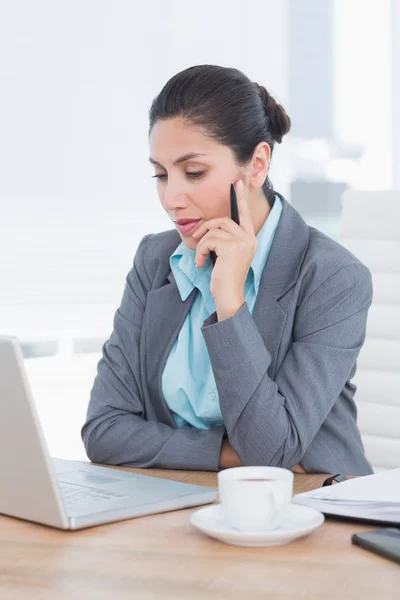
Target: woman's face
[196, 187]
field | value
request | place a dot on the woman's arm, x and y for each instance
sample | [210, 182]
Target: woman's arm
[228, 458]
[273, 422]
[115, 431]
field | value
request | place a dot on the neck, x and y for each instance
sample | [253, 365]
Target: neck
[260, 210]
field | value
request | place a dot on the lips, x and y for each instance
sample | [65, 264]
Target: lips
[186, 225]
[185, 221]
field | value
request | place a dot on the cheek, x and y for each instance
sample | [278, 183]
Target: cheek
[214, 199]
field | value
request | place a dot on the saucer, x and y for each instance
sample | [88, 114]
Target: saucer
[298, 521]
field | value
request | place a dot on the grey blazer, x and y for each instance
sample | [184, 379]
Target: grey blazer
[283, 375]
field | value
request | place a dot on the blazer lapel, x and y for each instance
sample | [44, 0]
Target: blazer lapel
[270, 321]
[165, 315]
[280, 273]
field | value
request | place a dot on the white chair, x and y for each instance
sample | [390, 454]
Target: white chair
[370, 229]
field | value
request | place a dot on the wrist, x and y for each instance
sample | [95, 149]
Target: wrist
[228, 457]
[227, 310]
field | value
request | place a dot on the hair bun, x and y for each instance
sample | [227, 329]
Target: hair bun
[279, 121]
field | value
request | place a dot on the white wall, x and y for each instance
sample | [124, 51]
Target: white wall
[396, 92]
[363, 91]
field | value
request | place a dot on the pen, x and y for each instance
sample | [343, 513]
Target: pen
[234, 215]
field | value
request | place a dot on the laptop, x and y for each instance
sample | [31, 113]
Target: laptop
[68, 494]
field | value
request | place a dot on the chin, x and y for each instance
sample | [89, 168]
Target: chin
[190, 243]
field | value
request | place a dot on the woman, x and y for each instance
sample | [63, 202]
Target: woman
[248, 360]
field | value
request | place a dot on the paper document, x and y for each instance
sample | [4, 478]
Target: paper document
[370, 497]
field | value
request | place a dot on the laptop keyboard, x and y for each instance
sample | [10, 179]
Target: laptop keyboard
[77, 495]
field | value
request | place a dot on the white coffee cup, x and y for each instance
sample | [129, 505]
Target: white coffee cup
[255, 498]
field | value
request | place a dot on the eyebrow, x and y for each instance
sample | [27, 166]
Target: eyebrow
[179, 160]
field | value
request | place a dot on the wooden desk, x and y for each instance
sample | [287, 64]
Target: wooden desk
[163, 556]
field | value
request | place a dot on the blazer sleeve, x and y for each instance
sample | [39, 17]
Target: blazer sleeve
[115, 431]
[273, 422]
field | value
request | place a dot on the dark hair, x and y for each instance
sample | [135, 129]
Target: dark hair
[228, 106]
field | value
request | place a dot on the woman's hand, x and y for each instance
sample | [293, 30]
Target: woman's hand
[298, 469]
[235, 247]
[228, 457]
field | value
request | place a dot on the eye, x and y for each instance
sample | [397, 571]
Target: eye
[193, 174]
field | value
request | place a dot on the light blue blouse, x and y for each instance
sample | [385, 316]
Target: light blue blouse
[188, 382]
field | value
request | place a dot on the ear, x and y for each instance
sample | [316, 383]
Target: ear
[259, 165]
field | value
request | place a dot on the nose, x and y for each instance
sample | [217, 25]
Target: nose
[174, 198]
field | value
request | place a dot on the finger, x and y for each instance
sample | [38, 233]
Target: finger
[211, 242]
[245, 219]
[221, 223]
